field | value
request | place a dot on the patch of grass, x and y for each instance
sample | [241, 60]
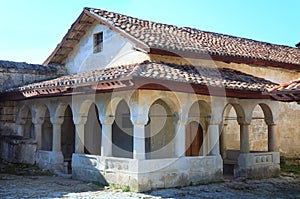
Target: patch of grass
[123, 188]
[114, 186]
[290, 168]
[126, 189]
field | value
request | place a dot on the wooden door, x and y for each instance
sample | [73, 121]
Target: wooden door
[193, 139]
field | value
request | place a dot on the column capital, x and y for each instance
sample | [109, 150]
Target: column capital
[244, 123]
[79, 120]
[211, 120]
[37, 120]
[140, 119]
[181, 123]
[57, 120]
[107, 119]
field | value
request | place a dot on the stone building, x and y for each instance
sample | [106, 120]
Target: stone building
[150, 105]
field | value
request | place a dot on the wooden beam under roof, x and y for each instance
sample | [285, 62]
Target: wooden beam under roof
[72, 39]
[67, 48]
[79, 31]
[85, 23]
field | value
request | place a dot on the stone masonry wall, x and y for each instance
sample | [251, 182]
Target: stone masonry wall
[14, 74]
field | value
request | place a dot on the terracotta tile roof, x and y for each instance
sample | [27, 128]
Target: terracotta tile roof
[287, 86]
[287, 92]
[173, 38]
[123, 76]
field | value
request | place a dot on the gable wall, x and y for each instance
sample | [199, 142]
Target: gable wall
[117, 50]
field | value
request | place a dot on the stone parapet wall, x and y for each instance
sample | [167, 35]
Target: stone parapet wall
[258, 165]
[144, 175]
[14, 74]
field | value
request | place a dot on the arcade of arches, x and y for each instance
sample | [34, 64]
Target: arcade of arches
[113, 132]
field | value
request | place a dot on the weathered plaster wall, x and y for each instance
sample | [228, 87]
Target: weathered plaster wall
[117, 50]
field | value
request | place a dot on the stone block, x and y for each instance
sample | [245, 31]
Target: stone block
[157, 180]
[176, 179]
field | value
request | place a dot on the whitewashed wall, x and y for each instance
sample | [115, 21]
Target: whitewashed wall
[117, 50]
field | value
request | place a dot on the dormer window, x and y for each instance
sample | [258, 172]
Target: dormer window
[98, 42]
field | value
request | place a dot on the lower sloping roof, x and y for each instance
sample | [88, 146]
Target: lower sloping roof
[286, 92]
[149, 75]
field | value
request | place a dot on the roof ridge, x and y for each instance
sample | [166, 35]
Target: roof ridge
[193, 28]
[171, 40]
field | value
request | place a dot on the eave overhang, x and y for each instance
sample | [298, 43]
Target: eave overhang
[131, 83]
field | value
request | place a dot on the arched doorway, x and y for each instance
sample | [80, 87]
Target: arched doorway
[47, 133]
[92, 132]
[160, 131]
[196, 129]
[68, 137]
[194, 139]
[122, 132]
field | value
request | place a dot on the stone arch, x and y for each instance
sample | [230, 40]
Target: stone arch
[47, 132]
[84, 108]
[65, 113]
[160, 130]
[233, 115]
[26, 127]
[59, 112]
[269, 119]
[199, 111]
[92, 130]
[122, 129]
[258, 130]
[170, 100]
[196, 128]
[110, 107]
[261, 132]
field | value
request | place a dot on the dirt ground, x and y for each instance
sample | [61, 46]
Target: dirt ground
[29, 182]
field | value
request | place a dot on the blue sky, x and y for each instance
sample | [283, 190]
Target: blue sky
[31, 29]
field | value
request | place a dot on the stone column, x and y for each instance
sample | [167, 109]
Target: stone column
[79, 138]
[56, 144]
[139, 149]
[106, 139]
[214, 134]
[79, 122]
[272, 138]
[38, 122]
[38, 134]
[180, 147]
[244, 138]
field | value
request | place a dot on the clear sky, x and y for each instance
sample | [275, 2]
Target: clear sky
[31, 29]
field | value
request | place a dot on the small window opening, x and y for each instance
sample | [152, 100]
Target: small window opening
[98, 42]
